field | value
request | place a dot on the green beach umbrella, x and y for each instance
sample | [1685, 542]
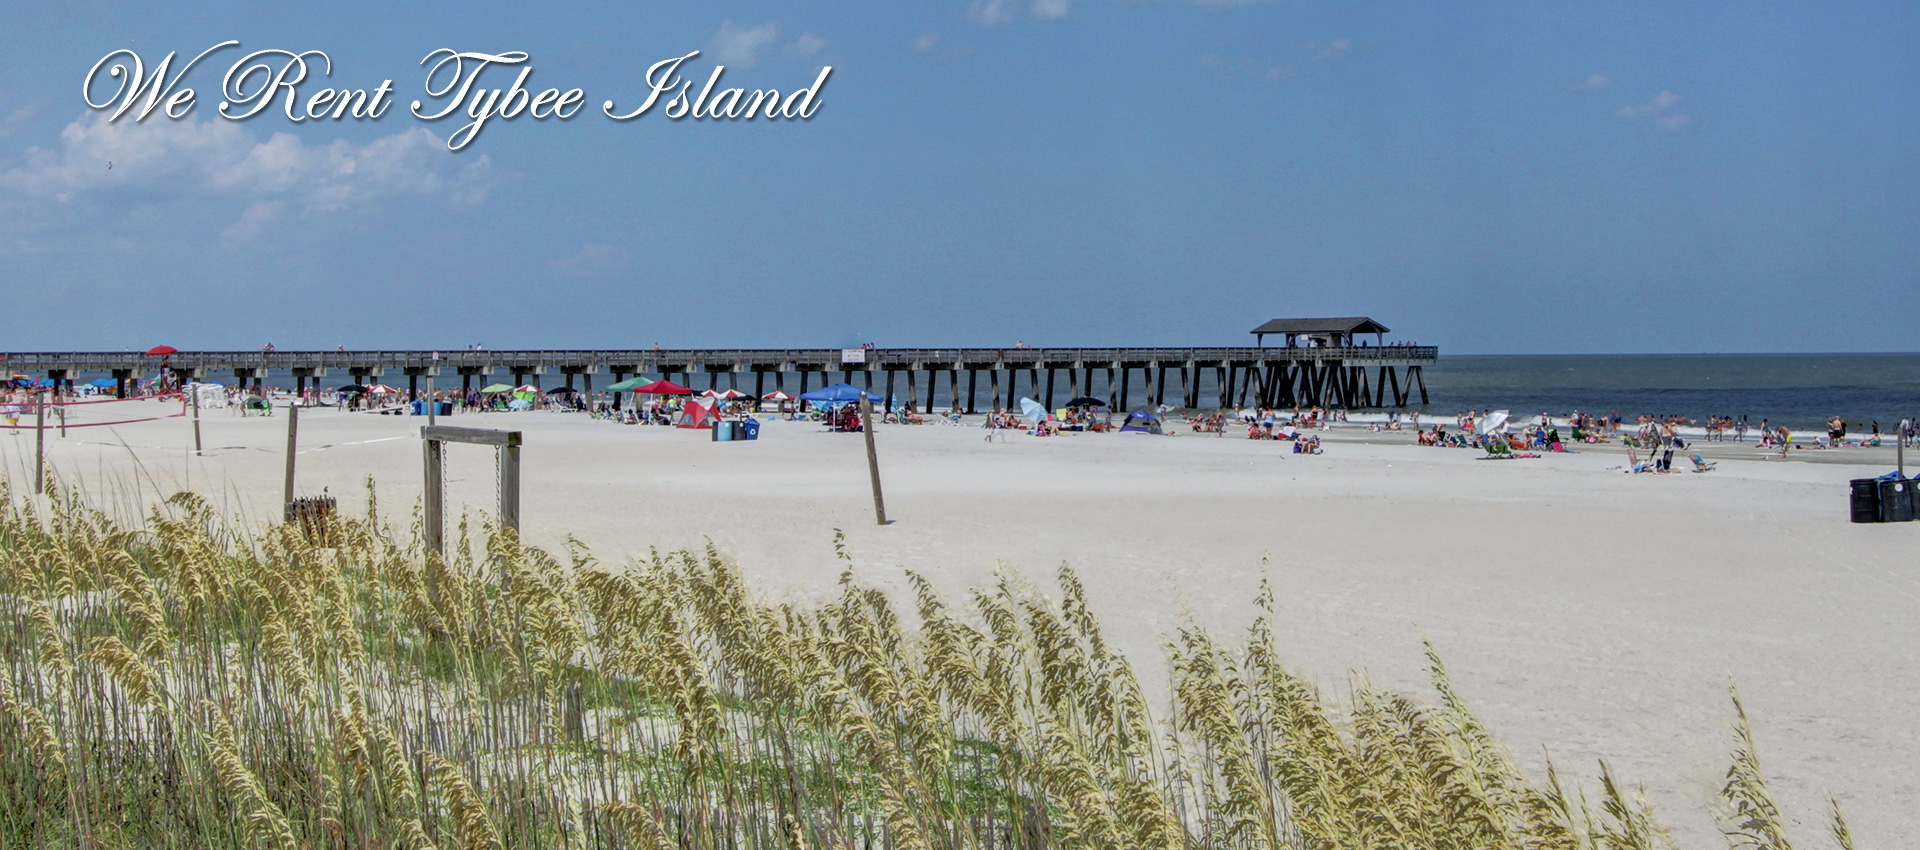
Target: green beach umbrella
[496, 388]
[629, 384]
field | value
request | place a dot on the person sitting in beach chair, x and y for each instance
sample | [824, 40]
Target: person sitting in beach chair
[1498, 449]
[1700, 465]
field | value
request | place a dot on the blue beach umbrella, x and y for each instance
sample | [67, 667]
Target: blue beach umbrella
[841, 393]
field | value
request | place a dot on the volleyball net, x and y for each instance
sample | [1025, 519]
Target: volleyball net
[21, 410]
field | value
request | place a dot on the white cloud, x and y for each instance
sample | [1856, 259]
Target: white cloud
[991, 12]
[926, 41]
[1593, 82]
[741, 47]
[1052, 8]
[17, 116]
[1661, 110]
[253, 223]
[1279, 73]
[806, 45]
[1337, 49]
[167, 161]
[592, 260]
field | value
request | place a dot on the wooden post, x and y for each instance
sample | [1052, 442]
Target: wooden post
[195, 389]
[1050, 371]
[973, 386]
[993, 377]
[39, 443]
[1112, 398]
[293, 444]
[433, 408]
[510, 487]
[873, 459]
[434, 505]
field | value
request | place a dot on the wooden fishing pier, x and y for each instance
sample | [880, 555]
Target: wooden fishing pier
[1338, 373]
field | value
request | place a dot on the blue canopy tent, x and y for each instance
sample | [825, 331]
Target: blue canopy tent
[103, 383]
[1141, 422]
[836, 394]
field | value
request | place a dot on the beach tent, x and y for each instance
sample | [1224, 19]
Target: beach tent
[663, 387]
[841, 393]
[1141, 422]
[496, 388]
[696, 415]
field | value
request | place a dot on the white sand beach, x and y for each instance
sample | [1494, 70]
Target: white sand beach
[1589, 612]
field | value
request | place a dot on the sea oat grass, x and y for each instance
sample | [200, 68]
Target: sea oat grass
[189, 683]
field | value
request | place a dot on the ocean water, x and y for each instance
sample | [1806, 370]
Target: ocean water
[1800, 391]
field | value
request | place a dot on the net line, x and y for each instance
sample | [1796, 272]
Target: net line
[18, 411]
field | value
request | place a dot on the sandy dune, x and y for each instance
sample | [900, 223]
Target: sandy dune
[1596, 613]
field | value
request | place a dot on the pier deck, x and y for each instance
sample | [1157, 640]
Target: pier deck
[1282, 377]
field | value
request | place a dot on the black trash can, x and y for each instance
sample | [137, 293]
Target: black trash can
[1896, 501]
[1866, 499]
[739, 430]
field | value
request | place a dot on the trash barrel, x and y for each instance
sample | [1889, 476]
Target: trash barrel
[1866, 499]
[736, 431]
[750, 429]
[722, 433]
[1896, 501]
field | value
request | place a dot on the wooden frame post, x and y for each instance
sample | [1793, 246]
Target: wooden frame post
[507, 445]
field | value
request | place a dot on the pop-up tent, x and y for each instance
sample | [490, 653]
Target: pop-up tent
[1141, 422]
[841, 393]
[696, 415]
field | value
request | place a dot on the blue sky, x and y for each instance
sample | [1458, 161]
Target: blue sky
[1489, 177]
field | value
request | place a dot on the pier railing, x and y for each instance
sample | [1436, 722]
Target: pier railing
[706, 360]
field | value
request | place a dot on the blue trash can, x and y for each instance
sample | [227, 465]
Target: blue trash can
[722, 432]
[751, 428]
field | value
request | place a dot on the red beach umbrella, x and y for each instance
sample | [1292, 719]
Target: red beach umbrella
[160, 350]
[663, 387]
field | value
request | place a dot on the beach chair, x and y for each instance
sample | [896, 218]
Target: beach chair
[1700, 465]
[1497, 449]
[1634, 463]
